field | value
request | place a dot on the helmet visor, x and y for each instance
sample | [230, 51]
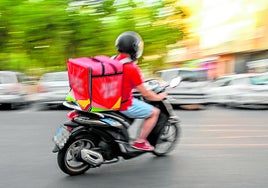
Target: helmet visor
[140, 49]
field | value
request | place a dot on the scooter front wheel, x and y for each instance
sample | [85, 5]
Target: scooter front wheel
[167, 139]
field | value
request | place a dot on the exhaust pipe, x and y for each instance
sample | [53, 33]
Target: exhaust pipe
[92, 157]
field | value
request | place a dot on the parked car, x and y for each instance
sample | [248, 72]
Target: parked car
[12, 90]
[52, 89]
[240, 90]
[191, 90]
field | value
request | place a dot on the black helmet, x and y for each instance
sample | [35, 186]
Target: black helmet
[131, 43]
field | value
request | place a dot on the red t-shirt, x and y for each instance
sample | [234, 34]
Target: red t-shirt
[132, 77]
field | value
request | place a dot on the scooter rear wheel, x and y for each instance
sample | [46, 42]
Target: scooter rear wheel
[167, 139]
[68, 156]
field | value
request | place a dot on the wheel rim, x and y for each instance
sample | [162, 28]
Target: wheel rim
[73, 151]
[166, 140]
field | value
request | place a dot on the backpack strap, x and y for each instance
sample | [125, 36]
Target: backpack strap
[123, 61]
[126, 60]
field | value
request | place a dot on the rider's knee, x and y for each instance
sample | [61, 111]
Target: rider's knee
[156, 112]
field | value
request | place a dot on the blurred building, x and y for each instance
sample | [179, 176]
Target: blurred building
[225, 36]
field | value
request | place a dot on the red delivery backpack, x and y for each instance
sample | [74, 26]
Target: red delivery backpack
[96, 83]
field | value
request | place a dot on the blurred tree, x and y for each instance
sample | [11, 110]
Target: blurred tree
[44, 33]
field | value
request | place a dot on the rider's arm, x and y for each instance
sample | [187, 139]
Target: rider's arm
[150, 95]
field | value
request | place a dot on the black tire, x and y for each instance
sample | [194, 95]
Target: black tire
[7, 106]
[67, 157]
[167, 139]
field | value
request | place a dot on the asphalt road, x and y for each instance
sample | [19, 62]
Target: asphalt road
[218, 148]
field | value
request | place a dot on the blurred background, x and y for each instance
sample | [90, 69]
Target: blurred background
[221, 36]
[38, 36]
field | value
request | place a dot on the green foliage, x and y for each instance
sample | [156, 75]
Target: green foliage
[44, 33]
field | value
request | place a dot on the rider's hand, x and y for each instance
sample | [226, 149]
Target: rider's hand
[162, 95]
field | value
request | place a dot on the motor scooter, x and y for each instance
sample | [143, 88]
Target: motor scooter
[89, 140]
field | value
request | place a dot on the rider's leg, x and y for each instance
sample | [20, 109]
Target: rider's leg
[148, 125]
[141, 110]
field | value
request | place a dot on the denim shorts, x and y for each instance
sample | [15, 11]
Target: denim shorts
[138, 110]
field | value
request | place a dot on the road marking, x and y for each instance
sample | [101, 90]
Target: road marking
[231, 130]
[225, 137]
[225, 145]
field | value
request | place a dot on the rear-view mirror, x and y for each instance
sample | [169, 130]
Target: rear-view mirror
[175, 82]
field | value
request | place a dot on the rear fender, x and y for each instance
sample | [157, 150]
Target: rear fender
[100, 133]
[65, 132]
[97, 131]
